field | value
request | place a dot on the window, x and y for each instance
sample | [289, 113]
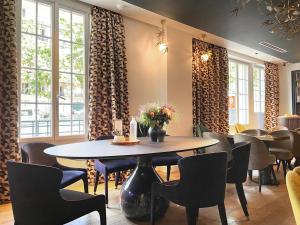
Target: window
[238, 93]
[259, 89]
[53, 70]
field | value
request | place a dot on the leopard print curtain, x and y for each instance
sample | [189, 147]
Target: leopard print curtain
[210, 87]
[272, 95]
[8, 96]
[108, 85]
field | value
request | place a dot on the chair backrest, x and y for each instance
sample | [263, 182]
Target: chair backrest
[259, 152]
[255, 132]
[293, 187]
[285, 144]
[202, 179]
[34, 191]
[239, 127]
[240, 155]
[295, 139]
[104, 137]
[34, 153]
[223, 145]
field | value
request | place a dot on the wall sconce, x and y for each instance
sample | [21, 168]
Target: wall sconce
[162, 44]
[205, 55]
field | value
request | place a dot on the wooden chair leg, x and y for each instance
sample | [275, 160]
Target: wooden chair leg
[96, 181]
[152, 215]
[242, 198]
[222, 213]
[192, 215]
[168, 172]
[260, 180]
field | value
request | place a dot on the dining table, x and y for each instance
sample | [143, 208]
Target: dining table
[135, 195]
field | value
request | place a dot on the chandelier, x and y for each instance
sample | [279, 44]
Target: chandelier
[282, 16]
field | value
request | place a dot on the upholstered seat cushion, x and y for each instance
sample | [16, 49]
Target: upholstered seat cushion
[114, 165]
[69, 195]
[168, 159]
[71, 176]
[293, 186]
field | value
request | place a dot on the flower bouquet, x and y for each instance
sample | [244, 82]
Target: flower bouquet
[155, 117]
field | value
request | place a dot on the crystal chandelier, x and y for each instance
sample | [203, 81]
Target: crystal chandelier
[282, 16]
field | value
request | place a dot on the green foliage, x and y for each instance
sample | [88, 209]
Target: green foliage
[42, 80]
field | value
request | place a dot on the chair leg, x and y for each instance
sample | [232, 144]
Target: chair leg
[153, 204]
[260, 180]
[222, 213]
[274, 175]
[192, 215]
[168, 172]
[290, 165]
[117, 178]
[250, 174]
[102, 215]
[278, 162]
[284, 163]
[242, 198]
[85, 184]
[106, 187]
[96, 181]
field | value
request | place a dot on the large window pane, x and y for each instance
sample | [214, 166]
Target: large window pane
[44, 86]
[36, 66]
[72, 69]
[44, 20]
[39, 117]
[44, 53]
[28, 50]
[28, 16]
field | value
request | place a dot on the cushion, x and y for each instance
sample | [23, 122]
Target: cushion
[293, 186]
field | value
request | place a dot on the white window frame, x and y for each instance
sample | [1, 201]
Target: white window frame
[78, 7]
[237, 90]
[251, 113]
[260, 68]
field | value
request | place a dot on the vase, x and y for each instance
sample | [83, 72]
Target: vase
[156, 134]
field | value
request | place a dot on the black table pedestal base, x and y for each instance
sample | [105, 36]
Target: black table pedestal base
[136, 192]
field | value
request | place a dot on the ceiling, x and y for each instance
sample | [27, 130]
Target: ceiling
[214, 16]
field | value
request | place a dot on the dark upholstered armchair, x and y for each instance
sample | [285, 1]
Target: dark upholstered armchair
[107, 166]
[202, 184]
[34, 153]
[237, 173]
[43, 203]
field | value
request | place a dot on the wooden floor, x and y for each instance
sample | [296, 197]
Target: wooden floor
[270, 207]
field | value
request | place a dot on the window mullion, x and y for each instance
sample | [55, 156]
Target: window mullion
[55, 73]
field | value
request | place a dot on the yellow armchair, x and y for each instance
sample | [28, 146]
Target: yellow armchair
[239, 127]
[293, 186]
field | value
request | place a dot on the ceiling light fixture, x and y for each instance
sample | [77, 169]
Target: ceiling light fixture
[205, 55]
[162, 44]
[282, 16]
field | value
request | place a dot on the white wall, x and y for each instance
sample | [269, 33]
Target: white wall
[180, 81]
[285, 105]
[146, 66]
